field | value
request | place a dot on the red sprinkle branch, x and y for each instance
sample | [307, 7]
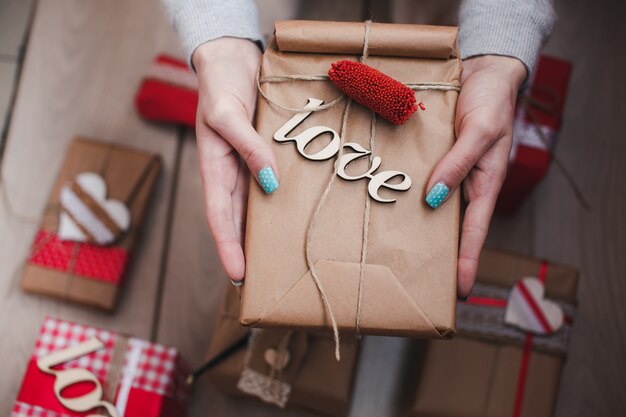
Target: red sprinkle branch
[375, 90]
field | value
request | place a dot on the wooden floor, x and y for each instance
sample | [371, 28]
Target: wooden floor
[83, 62]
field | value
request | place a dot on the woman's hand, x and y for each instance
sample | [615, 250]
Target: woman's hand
[484, 127]
[227, 69]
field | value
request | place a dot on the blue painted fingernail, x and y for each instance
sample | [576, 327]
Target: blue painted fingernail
[437, 194]
[268, 180]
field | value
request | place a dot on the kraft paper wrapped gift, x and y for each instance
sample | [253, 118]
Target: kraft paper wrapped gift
[406, 250]
[311, 378]
[492, 369]
[73, 264]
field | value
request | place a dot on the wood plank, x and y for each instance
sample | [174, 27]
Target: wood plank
[592, 146]
[7, 78]
[84, 62]
[14, 18]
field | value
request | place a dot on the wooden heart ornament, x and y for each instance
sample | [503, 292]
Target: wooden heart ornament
[87, 216]
[529, 310]
[277, 359]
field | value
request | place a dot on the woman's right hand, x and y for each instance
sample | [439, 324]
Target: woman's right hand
[227, 70]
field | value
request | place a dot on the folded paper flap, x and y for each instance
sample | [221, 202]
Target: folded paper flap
[401, 40]
[227, 330]
[385, 301]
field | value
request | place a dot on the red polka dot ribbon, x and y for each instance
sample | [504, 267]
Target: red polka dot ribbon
[87, 260]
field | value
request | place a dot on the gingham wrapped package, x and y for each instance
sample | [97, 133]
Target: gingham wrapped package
[134, 378]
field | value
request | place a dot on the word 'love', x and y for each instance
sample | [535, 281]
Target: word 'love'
[65, 378]
[302, 140]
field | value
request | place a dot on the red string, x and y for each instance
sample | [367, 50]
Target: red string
[486, 301]
[523, 373]
[523, 366]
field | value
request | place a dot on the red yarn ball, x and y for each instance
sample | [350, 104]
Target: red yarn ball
[375, 90]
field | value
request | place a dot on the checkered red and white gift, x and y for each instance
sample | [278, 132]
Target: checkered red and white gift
[536, 127]
[150, 381]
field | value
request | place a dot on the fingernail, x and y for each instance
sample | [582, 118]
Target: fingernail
[437, 194]
[236, 283]
[268, 180]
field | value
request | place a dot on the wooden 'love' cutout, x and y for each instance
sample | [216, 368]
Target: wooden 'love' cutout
[353, 151]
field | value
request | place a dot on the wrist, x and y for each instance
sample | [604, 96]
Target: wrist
[509, 68]
[226, 48]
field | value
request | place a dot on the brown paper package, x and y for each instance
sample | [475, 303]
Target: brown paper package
[127, 172]
[317, 380]
[409, 284]
[471, 376]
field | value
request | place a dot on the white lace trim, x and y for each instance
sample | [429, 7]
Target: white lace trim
[268, 389]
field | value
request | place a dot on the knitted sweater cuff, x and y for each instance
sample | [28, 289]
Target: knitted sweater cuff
[200, 21]
[516, 28]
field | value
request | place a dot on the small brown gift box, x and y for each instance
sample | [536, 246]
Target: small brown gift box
[491, 369]
[385, 268]
[311, 378]
[88, 272]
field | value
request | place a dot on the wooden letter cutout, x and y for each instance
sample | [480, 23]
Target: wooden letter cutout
[377, 180]
[306, 137]
[67, 377]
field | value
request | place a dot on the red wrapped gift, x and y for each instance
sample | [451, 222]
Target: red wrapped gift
[78, 370]
[537, 123]
[169, 93]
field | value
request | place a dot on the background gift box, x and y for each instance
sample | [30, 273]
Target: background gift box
[169, 92]
[280, 367]
[68, 259]
[76, 370]
[492, 368]
[537, 124]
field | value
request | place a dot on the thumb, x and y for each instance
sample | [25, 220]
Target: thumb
[454, 167]
[231, 122]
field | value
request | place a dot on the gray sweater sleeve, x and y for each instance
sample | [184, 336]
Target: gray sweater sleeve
[199, 21]
[516, 28]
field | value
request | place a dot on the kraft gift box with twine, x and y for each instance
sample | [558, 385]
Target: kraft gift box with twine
[492, 369]
[322, 254]
[281, 367]
[87, 271]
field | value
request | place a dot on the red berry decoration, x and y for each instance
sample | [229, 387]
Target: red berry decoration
[377, 91]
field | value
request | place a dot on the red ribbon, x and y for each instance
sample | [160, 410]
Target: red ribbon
[528, 344]
[102, 263]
